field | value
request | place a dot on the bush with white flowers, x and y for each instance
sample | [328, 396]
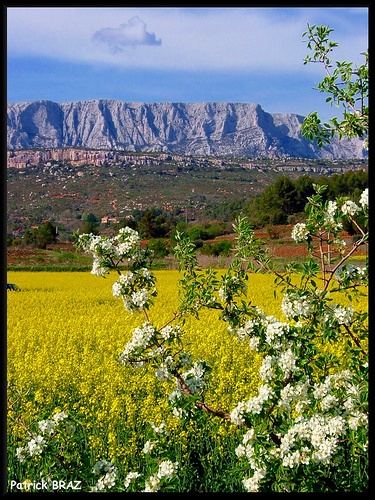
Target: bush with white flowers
[308, 419]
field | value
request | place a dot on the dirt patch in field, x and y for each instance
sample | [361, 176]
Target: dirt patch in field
[289, 251]
[277, 239]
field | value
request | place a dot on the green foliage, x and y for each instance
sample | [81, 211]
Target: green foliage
[89, 218]
[217, 248]
[286, 197]
[160, 247]
[346, 86]
[90, 227]
[41, 236]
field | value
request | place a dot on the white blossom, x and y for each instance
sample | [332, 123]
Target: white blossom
[20, 453]
[300, 232]
[102, 466]
[167, 468]
[36, 445]
[140, 298]
[179, 413]
[152, 484]
[59, 417]
[287, 362]
[148, 446]
[130, 477]
[251, 484]
[46, 426]
[254, 343]
[349, 208]
[162, 373]
[236, 415]
[266, 371]
[344, 316]
[159, 429]
[97, 269]
[194, 378]
[364, 198]
[293, 305]
[117, 289]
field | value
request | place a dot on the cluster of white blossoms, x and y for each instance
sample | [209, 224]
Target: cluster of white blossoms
[108, 479]
[147, 344]
[300, 233]
[339, 314]
[247, 450]
[140, 340]
[195, 380]
[47, 427]
[296, 306]
[252, 405]
[276, 332]
[350, 208]
[167, 469]
[195, 377]
[124, 246]
[355, 274]
[171, 332]
[330, 212]
[286, 361]
[164, 369]
[315, 438]
[231, 285]
[249, 329]
[168, 365]
[364, 199]
[134, 289]
[295, 397]
[131, 477]
[320, 436]
[159, 429]
[148, 446]
[125, 280]
[34, 447]
[312, 436]
[251, 484]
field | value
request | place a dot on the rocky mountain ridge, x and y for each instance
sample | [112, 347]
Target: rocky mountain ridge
[205, 128]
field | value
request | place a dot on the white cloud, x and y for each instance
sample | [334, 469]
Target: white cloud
[238, 39]
[132, 33]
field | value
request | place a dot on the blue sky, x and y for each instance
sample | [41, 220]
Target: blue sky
[176, 54]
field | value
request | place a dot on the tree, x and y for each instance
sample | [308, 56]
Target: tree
[345, 85]
[90, 227]
[45, 235]
[89, 218]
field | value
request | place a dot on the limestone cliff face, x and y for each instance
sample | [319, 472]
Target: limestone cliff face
[219, 128]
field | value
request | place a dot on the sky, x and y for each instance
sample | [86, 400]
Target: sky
[173, 54]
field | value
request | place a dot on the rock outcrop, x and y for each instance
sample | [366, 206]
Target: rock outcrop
[212, 128]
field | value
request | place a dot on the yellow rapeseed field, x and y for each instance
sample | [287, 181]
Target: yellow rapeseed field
[65, 331]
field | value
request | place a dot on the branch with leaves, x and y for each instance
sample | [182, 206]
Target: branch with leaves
[345, 85]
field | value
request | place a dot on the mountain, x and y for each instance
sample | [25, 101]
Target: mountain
[204, 128]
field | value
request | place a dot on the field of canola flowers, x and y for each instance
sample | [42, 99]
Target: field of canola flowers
[65, 332]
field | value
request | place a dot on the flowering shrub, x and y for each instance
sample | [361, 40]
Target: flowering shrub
[277, 404]
[308, 418]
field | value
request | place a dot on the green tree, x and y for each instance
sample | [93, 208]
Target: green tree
[90, 227]
[44, 235]
[89, 218]
[160, 247]
[274, 204]
[345, 85]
